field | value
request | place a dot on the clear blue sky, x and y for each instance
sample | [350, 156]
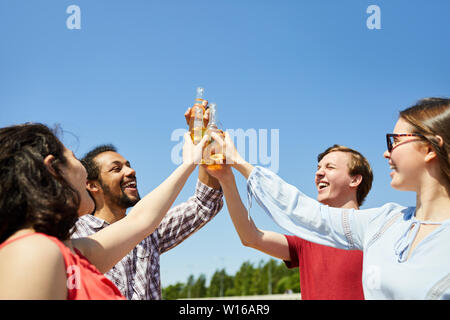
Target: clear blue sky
[311, 69]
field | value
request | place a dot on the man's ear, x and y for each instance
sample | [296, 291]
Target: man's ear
[48, 162]
[92, 186]
[356, 180]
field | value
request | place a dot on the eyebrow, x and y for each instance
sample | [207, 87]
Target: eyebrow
[117, 162]
[326, 164]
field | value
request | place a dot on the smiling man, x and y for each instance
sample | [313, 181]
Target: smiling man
[113, 185]
[343, 180]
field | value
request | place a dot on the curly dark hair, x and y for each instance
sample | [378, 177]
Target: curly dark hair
[89, 162]
[30, 196]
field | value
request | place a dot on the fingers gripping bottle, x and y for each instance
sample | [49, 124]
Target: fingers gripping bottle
[196, 120]
[213, 154]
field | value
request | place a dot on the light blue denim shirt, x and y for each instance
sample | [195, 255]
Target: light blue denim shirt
[384, 235]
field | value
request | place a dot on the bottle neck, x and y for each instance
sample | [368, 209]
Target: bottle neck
[212, 118]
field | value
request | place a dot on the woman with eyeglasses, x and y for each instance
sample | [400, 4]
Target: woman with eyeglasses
[406, 249]
[42, 193]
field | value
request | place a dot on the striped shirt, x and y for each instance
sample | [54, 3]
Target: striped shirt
[137, 275]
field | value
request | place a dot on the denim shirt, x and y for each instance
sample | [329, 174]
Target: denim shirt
[384, 235]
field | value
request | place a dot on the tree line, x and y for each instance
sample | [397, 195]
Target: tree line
[269, 277]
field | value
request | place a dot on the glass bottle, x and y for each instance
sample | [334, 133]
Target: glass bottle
[196, 127]
[213, 154]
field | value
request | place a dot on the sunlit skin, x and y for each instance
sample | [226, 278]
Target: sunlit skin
[407, 159]
[75, 174]
[335, 186]
[415, 167]
[47, 279]
[116, 189]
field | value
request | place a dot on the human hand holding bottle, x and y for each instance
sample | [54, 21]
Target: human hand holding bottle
[232, 157]
[188, 114]
[192, 153]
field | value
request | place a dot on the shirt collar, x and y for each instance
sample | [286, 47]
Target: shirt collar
[94, 222]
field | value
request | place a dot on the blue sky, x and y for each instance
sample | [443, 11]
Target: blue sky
[311, 69]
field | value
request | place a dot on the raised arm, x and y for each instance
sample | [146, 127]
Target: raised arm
[294, 211]
[272, 243]
[108, 246]
[307, 218]
[188, 217]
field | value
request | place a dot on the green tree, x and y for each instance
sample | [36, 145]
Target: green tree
[243, 278]
[199, 287]
[186, 292]
[172, 292]
[220, 283]
[267, 277]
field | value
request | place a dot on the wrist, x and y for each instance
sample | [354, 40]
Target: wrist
[207, 179]
[188, 166]
[244, 168]
[226, 178]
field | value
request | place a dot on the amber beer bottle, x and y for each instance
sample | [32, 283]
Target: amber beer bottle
[196, 120]
[213, 154]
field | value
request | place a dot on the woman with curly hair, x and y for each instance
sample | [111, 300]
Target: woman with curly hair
[42, 193]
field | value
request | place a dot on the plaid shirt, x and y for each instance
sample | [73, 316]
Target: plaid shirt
[137, 275]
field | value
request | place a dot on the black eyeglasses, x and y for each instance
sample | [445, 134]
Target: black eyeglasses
[392, 144]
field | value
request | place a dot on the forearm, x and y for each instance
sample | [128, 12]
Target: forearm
[113, 243]
[272, 243]
[243, 167]
[304, 216]
[245, 227]
[207, 179]
[152, 208]
[186, 218]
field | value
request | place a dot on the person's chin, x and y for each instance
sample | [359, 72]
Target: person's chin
[401, 185]
[133, 199]
[396, 181]
[86, 207]
[322, 198]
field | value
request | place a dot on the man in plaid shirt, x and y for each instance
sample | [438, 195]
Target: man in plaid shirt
[112, 184]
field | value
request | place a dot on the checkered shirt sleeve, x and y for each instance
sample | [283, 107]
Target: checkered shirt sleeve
[186, 218]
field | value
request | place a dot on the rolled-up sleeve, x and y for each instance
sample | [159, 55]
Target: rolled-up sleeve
[306, 217]
[186, 218]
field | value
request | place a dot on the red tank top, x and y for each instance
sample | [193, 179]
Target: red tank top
[84, 280]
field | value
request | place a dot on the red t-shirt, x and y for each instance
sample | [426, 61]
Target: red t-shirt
[84, 280]
[326, 273]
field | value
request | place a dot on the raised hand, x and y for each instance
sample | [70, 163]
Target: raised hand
[187, 114]
[192, 153]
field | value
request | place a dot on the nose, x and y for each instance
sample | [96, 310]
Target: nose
[387, 154]
[320, 173]
[130, 172]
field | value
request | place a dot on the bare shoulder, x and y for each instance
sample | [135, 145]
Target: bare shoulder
[32, 268]
[29, 248]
